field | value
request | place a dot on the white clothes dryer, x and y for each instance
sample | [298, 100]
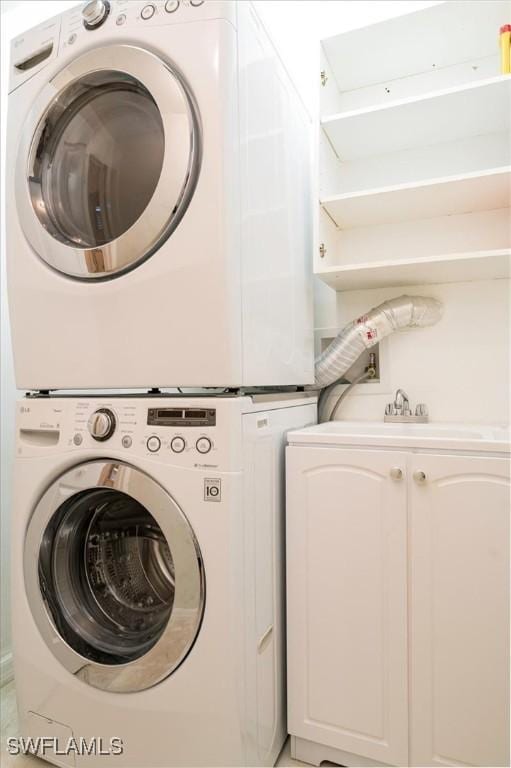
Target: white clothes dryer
[159, 201]
[147, 577]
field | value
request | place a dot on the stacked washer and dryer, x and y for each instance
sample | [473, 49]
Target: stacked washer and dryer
[159, 239]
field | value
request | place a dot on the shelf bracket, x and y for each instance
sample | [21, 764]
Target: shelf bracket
[330, 217]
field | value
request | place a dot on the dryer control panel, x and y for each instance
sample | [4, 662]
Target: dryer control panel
[97, 19]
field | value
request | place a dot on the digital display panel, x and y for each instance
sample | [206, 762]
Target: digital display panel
[178, 417]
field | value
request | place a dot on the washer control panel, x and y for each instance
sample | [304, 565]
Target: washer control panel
[191, 432]
[165, 429]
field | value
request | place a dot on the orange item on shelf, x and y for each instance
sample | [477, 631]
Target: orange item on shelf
[505, 49]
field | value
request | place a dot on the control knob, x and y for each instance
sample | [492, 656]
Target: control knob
[95, 13]
[102, 424]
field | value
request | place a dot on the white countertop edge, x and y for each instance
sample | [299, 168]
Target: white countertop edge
[493, 439]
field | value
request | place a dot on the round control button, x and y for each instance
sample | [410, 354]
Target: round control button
[171, 6]
[126, 441]
[120, 19]
[71, 38]
[153, 444]
[77, 439]
[178, 444]
[203, 445]
[147, 12]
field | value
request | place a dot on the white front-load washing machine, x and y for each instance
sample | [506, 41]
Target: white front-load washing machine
[158, 201]
[147, 578]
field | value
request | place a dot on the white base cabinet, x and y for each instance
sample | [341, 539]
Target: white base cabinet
[459, 611]
[398, 607]
[347, 601]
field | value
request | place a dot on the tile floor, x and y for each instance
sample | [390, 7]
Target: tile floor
[9, 728]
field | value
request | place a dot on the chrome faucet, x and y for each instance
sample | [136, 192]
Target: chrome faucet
[402, 403]
[400, 410]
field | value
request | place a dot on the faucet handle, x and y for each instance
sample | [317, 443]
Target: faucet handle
[421, 409]
[389, 409]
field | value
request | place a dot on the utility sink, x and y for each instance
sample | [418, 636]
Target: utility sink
[461, 437]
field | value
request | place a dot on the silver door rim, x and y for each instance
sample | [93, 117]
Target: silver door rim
[175, 186]
[184, 622]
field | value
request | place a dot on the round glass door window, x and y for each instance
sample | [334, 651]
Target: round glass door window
[98, 167]
[122, 590]
[112, 157]
[108, 574]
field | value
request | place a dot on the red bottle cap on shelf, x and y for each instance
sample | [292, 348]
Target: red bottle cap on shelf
[505, 28]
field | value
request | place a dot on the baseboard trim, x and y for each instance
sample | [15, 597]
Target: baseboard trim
[6, 669]
[313, 753]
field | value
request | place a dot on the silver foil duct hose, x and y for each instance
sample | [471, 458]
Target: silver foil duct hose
[368, 330]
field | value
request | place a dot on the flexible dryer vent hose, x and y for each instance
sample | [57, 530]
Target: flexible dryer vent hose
[368, 330]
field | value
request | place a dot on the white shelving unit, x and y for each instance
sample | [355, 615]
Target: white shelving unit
[478, 191]
[443, 116]
[453, 268]
[415, 156]
[451, 42]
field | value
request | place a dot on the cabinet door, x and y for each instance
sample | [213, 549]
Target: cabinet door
[347, 601]
[459, 611]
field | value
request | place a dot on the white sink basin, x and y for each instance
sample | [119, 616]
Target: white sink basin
[464, 437]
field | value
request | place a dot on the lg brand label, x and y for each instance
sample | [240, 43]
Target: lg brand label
[212, 489]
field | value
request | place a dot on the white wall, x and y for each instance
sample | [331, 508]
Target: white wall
[459, 367]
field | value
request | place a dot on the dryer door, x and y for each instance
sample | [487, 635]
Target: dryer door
[108, 162]
[114, 576]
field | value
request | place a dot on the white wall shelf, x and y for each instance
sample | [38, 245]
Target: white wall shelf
[460, 267]
[449, 115]
[432, 41]
[447, 196]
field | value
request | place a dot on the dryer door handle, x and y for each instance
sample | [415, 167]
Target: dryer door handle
[263, 640]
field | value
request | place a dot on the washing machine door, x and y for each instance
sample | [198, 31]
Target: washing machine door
[114, 576]
[108, 161]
